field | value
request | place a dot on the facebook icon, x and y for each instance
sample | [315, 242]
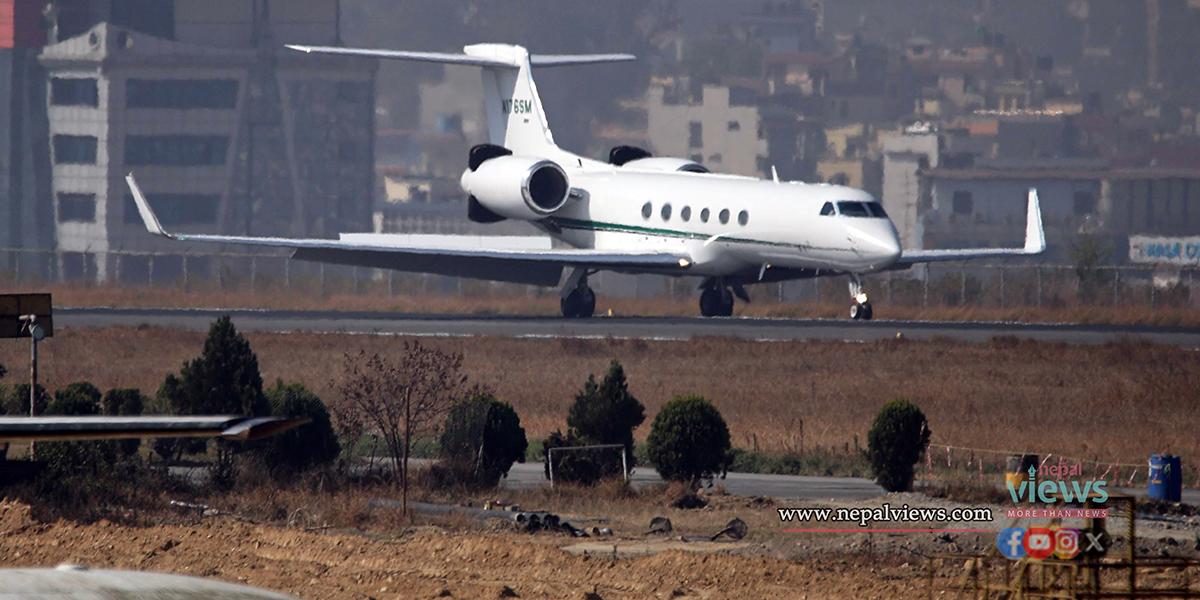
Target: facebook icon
[1009, 542]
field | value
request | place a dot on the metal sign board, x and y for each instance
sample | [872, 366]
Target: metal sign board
[1183, 251]
[14, 306]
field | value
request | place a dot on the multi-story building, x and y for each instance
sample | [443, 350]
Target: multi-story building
[714, 128]
[226, 130]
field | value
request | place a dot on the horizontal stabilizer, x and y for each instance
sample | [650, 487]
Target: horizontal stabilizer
[535, 60]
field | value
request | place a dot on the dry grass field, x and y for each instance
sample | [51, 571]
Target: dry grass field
[1113, 402]
[545, 302]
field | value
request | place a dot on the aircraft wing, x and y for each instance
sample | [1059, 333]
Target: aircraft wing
[528, 266]
[60, 428]
[1035, 243]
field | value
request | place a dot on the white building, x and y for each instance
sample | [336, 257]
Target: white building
[710, 130]
[226, 131]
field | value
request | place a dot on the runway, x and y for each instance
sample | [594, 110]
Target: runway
[650, 328]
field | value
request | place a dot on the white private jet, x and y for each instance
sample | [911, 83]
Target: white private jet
[633, 214]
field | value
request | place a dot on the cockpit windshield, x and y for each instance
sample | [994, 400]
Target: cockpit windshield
[861, 209]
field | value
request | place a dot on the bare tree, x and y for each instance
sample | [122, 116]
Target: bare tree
[398, 398]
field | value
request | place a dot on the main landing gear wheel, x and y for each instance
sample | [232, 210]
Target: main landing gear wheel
[716, 301]
[579, 304]
[861, 309]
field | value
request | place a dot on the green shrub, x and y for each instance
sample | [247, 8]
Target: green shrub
[603, 413]
[223, 380]
[17, 401]
[481, 439]
[125, 402]
[688, 440]
[896, 441]
[305, 446]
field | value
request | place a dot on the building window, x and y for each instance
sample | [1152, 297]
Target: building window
[724, 216]
[962, 203]
[181, 94]
[76, 208]
[716, 158]
[704, 216]
[1085, 203]
[743, 218]
[176, 209]
[666, 212]
[696, 158]
[647, 210]
[176, 150]
[74, 150]
[734, 126]
[695, 135]
[74, 92]
[686, 213]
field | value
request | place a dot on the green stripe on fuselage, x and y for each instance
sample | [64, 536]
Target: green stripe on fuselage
[654, 231]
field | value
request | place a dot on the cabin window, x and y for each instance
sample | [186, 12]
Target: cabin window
[647, 210]
[743, 218]
[685, 213]
[827, 210]
[666, 212]
[724, 216]
[704, 216]
[876, 210]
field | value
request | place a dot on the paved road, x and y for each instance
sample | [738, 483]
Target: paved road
[665, 328]
[783, 487]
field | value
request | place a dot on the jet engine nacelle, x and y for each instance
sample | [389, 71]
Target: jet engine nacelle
[518, 187]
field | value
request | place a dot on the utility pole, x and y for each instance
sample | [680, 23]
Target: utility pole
[36, 334]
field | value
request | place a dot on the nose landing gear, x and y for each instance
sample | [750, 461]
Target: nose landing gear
[861, 309]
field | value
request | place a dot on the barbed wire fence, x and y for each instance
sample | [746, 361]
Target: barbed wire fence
[993, 285]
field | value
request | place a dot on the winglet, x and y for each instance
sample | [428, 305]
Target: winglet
[1035, 234]
[143, 206]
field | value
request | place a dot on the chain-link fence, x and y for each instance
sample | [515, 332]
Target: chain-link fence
[929, 286]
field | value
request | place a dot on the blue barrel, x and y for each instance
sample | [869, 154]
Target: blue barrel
[1166, 478]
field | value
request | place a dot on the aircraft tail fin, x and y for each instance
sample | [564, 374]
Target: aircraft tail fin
[516, 119]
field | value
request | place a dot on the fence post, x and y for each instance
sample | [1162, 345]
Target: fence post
[217, 266]
[1116, 286]
[150, 273]
[962, 290]
[1039, 286]
[889, 287]
[925, 289]
[355, 272]
[253, 273]
[391, 282]
[117, 268]
[185, 274]
[817, 289]
[287, 273]
[322, 279]
[779, 292]
[1002, 286]
[1152, 289]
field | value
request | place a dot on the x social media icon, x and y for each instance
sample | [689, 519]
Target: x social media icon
[1010, 543]
[1039, 542]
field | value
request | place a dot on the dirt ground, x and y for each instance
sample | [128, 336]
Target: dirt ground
[431, 562]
